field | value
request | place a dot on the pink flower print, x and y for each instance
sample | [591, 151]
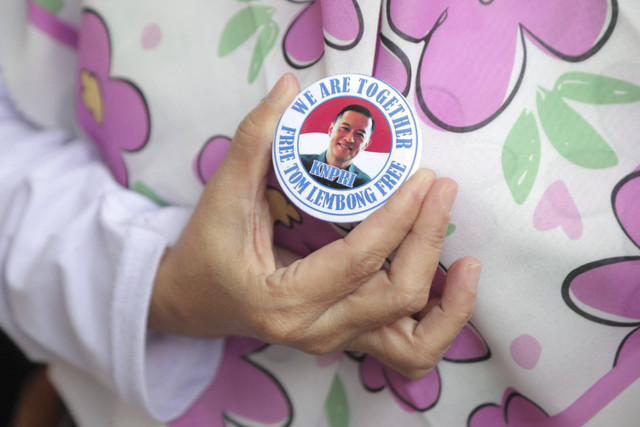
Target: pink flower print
[629, 349]
[423, 394]
[42, 14]
[607, 291]
[411, 395]
[469, 346]
[626, 205]
[241, 390]
[557, 208]
[392, 65]
[518, 411]
[343, 24]
[525, 351]
[151, 36]
[338, 23]
[469, 70]
[210, 157]
[112, 111]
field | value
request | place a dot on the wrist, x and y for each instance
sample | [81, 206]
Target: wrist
[163, 315]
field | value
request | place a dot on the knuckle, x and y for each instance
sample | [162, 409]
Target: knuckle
[426, 362]
[288, 317]
[437, 235]
[248, 127]
[367, 264]
[281, 290]
[275, 329]
[414, 302]
[421, 358]
[461, 314]
[464, 319]
[281, 330]
[465, 315]
[318, 344]
[413, 296]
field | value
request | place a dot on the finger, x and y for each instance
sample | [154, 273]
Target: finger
[413, 348]
[443, 322]
[404, 289]
[433, 301]
[386, 228]
[335, 270]
[249, 157]
[416, 260]
[406, 366]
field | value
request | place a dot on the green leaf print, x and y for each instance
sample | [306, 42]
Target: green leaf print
[521, 156]
[242, 26]
[574, 138]
[595, 89]
[450, 229]
[336, 406]
[264, 44]
[53, 6]
[142, 188]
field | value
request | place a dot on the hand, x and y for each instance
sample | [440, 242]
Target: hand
[222, 277]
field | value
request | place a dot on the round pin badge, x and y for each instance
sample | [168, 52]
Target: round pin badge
[344, 146]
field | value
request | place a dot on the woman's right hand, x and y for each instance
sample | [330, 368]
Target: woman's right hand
[223, 278]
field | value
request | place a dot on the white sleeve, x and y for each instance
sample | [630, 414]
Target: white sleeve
[78, 255]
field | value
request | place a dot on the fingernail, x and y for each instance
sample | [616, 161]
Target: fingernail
[448, 197]
[278, 90]
[473, 276]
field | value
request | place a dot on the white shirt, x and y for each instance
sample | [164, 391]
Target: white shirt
[78, 254]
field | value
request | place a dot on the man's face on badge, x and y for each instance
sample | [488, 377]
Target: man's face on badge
[349, 135]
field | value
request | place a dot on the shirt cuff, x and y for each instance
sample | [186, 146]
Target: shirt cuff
[169, 371]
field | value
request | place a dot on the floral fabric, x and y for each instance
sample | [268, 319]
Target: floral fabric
[532, 106]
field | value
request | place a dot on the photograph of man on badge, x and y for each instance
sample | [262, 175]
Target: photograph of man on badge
[349, 135]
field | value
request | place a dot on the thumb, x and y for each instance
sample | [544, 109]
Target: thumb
[249, 157]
